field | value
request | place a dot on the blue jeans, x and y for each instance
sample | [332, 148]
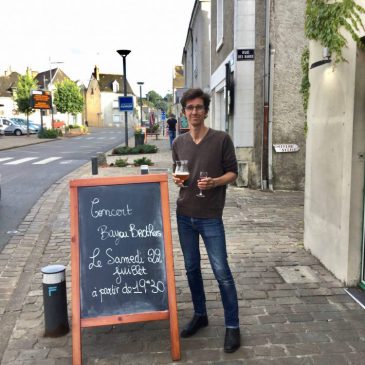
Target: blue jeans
[172, 135]
[212, 232]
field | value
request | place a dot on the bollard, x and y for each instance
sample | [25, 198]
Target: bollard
[55, 301]
[144, 169]
[94, 165]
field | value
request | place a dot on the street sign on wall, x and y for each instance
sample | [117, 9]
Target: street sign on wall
[125, 103]
[245, 54]
[286, 147]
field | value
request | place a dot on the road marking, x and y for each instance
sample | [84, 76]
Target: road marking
[17, 162]
[65, 162]
[6, 159]
[47, 160]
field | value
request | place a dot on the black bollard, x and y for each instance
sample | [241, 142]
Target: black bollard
[94, 165]
[55, 301]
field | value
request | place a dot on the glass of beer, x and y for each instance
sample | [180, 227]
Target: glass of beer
[182, 171]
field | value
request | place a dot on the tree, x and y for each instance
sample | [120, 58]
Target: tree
[68, 98]
[26, 83]
[156, 100]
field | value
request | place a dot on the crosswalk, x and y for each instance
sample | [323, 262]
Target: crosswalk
[12, 161]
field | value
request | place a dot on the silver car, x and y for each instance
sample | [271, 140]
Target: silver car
[10, 127]
[33, 128]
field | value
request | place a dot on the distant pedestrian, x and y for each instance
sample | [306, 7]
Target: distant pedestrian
[212, 165]
[171, 123]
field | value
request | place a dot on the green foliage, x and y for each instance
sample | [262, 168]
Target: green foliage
[120, 162]
[305, 85]
[142, 161]
[68, 97]
[157, 100]
[49, 133]
[26, 83]
[324, 20]
[154, 129]
[124, 150]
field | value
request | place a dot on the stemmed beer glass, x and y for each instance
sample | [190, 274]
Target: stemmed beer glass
[202, 175]
[182, 171]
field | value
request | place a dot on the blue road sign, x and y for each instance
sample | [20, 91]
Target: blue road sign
[125, 103]
[163, 115]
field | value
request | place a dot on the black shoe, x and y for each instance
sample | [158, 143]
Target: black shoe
[194, 326]
[232, 340]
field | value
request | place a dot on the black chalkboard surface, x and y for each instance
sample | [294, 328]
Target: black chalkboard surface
[121, 250]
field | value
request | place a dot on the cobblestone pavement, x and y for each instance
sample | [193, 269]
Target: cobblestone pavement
[306, 319]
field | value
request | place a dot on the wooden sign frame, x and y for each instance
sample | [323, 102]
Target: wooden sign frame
[170, 314]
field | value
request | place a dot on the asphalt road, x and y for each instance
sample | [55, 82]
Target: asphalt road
[27, 172]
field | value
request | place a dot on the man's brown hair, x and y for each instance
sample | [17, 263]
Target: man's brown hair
[191, 94]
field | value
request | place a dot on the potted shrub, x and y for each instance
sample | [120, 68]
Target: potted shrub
[138, 136]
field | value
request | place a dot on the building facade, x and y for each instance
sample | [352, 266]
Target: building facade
[255, 76]
[101, 98]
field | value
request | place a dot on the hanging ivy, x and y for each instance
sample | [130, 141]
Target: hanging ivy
[325, 18]
[305, 85]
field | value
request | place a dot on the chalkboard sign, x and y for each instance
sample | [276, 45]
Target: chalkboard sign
[122, 264]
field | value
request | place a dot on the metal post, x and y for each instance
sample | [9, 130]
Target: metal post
[125, 94]
[140, 83]
[55, 301]
[94, 165]
[124, 53]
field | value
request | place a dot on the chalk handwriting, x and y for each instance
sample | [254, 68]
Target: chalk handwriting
[95, 263]
[114, 212]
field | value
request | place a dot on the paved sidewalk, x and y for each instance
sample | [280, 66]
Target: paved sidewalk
[8, 142]
[310, 320]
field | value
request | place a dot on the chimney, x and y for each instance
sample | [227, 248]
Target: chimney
[96, 73]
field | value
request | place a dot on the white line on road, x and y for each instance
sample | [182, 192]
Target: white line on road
[47, 160]
[6, 159]
[17, 162]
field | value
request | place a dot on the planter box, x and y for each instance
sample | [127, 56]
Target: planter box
[138, 140]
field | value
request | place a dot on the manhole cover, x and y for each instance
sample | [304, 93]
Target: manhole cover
[297, 274]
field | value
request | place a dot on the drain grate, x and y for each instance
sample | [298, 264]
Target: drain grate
[297, 274]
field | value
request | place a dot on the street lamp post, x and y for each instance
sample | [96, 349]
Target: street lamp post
[50, 84]
[124, 53]
[140, 83]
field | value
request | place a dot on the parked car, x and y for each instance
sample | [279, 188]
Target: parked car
[11, 127]
[2, 127]
[33, 128]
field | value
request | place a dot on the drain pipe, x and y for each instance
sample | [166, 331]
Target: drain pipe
[271, 94]
[265, 128]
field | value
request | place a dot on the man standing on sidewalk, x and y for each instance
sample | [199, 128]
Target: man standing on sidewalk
[211, 151]
[171, 124]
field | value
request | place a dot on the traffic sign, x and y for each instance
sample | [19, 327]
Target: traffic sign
[163, 115]
[125, 103]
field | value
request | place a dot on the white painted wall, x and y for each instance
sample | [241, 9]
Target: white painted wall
[244, 38]
[334, 169]
[107, 100]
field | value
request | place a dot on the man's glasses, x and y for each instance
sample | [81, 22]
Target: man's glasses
[198, 108]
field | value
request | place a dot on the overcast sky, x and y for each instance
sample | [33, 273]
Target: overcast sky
[85, 33]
